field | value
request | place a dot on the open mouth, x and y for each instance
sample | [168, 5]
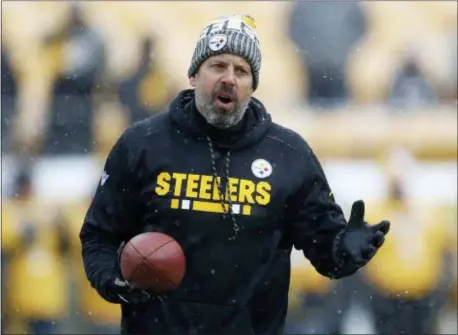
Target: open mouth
[224, 99]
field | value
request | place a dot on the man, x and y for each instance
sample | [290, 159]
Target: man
[236, 190]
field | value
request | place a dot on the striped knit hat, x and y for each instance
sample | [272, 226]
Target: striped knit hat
[234, 35]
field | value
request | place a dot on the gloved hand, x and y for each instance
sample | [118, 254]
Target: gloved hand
[127, 293]
[122, 289]
[359, 242]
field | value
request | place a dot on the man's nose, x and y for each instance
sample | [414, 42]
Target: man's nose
[229, 77]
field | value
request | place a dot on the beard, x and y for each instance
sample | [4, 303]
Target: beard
[219, 117]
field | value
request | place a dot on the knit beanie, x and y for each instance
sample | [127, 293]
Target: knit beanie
[234, 35]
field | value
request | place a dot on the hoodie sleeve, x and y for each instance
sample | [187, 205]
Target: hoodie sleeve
[109, 219]
[315, 221]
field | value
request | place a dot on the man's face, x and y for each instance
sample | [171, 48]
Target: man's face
[223, 88]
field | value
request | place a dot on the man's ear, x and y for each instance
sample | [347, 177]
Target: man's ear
[192, 81]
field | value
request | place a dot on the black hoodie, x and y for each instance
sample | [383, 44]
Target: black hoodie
[160, 177]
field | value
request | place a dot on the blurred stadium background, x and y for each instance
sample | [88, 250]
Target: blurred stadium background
[371, 85]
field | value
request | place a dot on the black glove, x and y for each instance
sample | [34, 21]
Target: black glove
[127, 293]
[359, 242]
[122, 289]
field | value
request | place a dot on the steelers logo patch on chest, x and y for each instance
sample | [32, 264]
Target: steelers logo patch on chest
[261, 168]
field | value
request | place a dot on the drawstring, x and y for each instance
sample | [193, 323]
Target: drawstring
[223, 185]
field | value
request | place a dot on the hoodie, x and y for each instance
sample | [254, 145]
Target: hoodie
[237, 200]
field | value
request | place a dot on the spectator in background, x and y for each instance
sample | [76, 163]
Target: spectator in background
[148, 90]
[9, 94]
[82, 61]
[409, 279]
[37, 292]
[411, 88]
[325, 34]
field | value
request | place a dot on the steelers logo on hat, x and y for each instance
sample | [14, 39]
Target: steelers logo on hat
[261, 168]
[217, 42]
